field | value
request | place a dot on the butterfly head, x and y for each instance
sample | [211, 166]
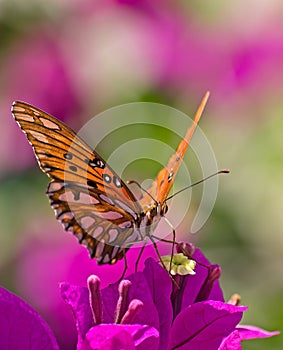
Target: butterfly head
[162, 208]
[156, 211]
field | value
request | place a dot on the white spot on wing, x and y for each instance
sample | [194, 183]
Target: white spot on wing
[39, 137]
[117, 182]
[49, 124]
[125, 224]
[86, 222]
[25, 117]
[106, 199]
[67, 215]
[126, 208]
[107, 178]
[16, 108]
[109, 215]
[113, 234]
[133, 238]
[36, 112]
[115, 250]
[84, 242]
[67, 196]
[70, 229]
[56, 186]
[87, 199]
[99, 249]
[106, 259]
[79, 236]
[97, 232]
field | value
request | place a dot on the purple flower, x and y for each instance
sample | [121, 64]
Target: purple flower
[148, 310]
[54, 257]
[21, 326]
[33, 70]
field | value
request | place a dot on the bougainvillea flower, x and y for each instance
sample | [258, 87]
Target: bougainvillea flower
[57, 256]
[35, 55]
[148, 310]
[21, 326]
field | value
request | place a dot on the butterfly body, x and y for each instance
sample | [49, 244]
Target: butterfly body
[88, 197]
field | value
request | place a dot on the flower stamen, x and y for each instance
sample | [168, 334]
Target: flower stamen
[235, 299]
[134, 308]
[95, 300]
[123, 301]
[214, 272]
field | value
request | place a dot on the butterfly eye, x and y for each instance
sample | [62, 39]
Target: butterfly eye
[163, 209]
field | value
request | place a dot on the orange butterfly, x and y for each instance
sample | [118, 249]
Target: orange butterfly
[88, 197]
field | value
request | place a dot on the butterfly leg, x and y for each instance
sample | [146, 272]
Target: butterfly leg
[125, 265]
[173, 241]
[185, 252]
[161, 261]
[139, 257]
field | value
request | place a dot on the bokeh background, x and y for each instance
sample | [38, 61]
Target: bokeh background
[75, 59]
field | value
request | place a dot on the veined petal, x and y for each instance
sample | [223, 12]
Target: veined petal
[139, 290]
[78, 299]
[204, 325]
[21, 326]
[117, 337]
[232, 342]
[194, 283]
[160, 286]
[251, 332]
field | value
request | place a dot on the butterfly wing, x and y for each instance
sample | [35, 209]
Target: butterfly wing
[97, 222]
[82, 184]
[163, 182]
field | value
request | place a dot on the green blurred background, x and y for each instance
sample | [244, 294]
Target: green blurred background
[75, 59]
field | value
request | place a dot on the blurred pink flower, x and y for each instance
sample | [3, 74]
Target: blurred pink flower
[163, 50]
[35, 71]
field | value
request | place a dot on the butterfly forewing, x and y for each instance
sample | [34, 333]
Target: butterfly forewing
[64, 156]
[162, 184]
[88, 197]
[94, 222]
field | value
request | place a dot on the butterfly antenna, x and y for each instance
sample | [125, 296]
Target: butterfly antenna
[143, 189]
[224, 171]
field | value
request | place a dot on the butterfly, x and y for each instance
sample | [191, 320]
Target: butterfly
[88, 197]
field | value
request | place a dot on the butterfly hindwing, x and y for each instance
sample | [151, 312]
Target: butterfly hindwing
[82, 185]
[95, 222]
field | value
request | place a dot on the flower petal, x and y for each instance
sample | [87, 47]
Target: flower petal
[21, 326]
[195, 283]
[204, 325]
[232, 342]
[160, 286]
[117, 337]
[243, 332]
[139, 290]
[78, 299]
[252, 332]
